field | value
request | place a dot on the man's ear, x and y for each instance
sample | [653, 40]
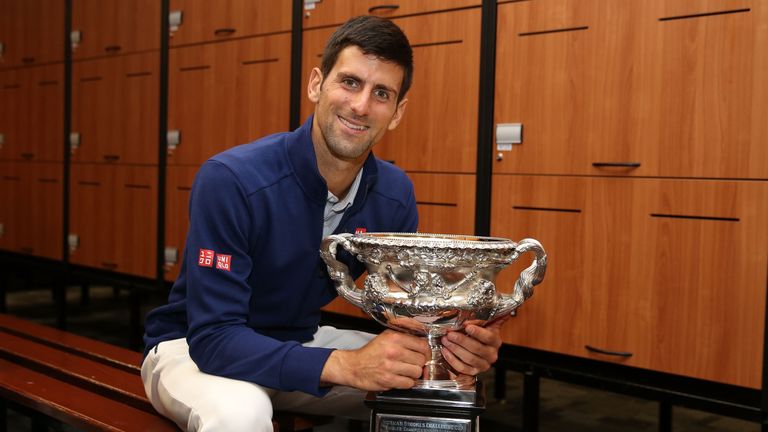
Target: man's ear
[315, 82]
[398, 114]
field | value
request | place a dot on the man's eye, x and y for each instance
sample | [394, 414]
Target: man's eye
[381, 94]
[348, 82]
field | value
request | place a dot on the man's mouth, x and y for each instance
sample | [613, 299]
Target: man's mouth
[353, 126]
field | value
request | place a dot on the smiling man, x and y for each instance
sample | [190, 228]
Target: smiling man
[240, 333]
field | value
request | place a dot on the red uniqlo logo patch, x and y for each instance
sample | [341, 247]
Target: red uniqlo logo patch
[205, 259]
[360, 230]
[224, 262]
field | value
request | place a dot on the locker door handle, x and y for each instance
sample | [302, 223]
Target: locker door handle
[224, 32]
[112, 48]
[28, 60]
[109, 265]
[608, 352]
[616, 164]
[27, 155]
[390, 7]
[111, 158]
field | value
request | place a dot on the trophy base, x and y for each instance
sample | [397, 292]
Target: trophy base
[427, 409]
[462, 382]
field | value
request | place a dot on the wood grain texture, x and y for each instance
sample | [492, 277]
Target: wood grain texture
[446, 202]
[115, 109]
[335, 12]
[203, 18]
[680, 97]
[227, 94]
[31, 32]
[685, 295]
[133, 26]
[178, 188]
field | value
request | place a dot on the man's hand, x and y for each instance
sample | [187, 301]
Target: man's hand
[390, 360]
[475, 351]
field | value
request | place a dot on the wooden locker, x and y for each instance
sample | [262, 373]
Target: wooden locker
[634, 88]
[446, 202]
[438, 132]
[14, 120]
[553, 211]
[335, 12]
[31, 31]
[44, 223]
[134, 220]
[44, 139]
[91, 212]
[227, 94]
[110, 27]
[13, 202]
[203, 20]
[706, 248]
[178, 188]
[115, 108]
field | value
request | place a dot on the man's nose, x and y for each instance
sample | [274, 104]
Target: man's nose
[360, 102]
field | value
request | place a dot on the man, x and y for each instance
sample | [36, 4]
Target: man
[240, 334]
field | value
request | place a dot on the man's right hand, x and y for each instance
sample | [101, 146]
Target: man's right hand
[390, 360]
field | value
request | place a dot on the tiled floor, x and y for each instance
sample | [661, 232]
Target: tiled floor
[564, 407]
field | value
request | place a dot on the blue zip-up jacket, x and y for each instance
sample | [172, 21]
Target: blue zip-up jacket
[252, 282]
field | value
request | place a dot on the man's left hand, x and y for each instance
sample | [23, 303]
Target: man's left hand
[474, 350]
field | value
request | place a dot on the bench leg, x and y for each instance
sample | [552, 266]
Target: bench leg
[500, 382]
[3, 415]
[531, 401]
[60, 300]
[665, 417]
[136, 329]
[3, 291]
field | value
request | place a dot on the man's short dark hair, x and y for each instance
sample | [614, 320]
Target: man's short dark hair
[374, 36]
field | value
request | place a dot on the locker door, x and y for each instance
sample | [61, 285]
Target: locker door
[178, 187]
[14, 103]
[44, 235]
[46, 111]
[91, 212]
[13, 201]
[111, 27]
[135, 220]
[446, 202]
[114, 109]
[42, 30]
[203, 20]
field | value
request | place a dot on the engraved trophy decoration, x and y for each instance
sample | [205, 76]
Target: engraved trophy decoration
[427, 285]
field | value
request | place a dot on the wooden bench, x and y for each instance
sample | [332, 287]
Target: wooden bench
[86, 383]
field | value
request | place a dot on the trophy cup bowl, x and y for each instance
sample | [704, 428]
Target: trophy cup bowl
[430, 284]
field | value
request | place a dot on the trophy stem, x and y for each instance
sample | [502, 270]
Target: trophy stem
[436, 368]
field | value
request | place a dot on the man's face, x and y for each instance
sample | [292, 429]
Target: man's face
[356, 103]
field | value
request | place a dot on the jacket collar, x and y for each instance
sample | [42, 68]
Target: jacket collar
[301, 156]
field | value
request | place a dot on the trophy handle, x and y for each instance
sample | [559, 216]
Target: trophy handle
[338, 271]
[531, 276]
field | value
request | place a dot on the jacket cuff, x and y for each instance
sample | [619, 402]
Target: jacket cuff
[302, 367]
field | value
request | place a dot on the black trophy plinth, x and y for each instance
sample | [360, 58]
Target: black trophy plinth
[417, 410]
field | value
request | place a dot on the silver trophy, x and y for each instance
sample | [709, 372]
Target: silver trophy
[430, 284]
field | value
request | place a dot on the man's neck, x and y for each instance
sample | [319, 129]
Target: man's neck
[338, 173]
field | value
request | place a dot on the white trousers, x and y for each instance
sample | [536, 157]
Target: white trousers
[197, 401]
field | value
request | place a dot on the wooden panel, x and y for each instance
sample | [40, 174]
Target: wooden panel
[13, 201]
[178, 188]
[438, 132]
[446, 202]
[553, 211]
[115, 27]
[335, 12]
[44, 222]
[134, 220]
[31, 32]
[115, 109]
[634, 82]
[709, 89]
[641, 266]
[223, 95]
[91, 210]
[203, 20]
[44, 139]
[708, 251]
[13, 109]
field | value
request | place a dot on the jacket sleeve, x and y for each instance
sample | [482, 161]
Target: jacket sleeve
[218, 293]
